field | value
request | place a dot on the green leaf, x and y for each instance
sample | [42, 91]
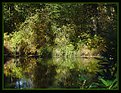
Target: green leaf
[106, 82]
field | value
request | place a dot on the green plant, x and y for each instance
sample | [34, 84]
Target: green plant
[109, 84]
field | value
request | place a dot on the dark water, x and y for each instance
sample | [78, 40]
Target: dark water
[22, 73]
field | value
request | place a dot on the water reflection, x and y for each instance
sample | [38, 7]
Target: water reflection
[23, 83]
[44, 74]
[50, 73]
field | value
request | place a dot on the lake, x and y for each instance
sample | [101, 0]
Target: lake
[36, 73]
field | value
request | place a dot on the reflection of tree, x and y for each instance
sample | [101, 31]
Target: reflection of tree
[28, 65]
[18, 68]
[71, 73]
[43, 75]
[57, 72]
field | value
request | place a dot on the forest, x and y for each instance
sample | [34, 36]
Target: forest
[59, 45]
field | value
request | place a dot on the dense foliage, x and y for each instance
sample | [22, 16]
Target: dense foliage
[62, 30]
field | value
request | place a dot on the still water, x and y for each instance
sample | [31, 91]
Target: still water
[24, 73]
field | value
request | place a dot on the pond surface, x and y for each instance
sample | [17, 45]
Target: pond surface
[22, 73]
